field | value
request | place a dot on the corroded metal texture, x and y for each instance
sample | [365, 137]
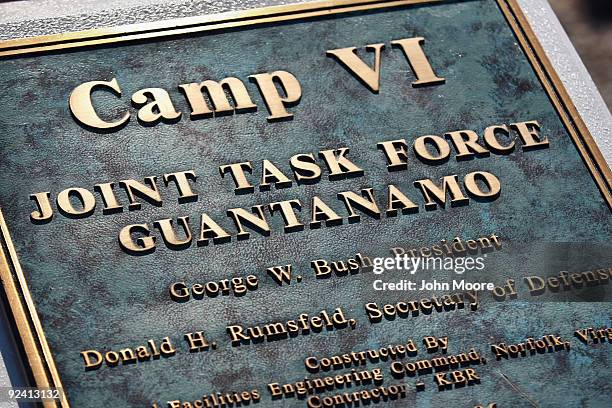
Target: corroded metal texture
[80, 301]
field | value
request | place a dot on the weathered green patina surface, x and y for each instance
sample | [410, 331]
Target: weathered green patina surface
[91, 294]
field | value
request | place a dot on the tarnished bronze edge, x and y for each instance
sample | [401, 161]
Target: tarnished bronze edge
[556, 91]
[24, 312]
[188, 25]
[39, 355]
